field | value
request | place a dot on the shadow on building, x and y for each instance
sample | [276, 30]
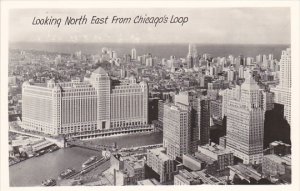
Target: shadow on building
[276, 126]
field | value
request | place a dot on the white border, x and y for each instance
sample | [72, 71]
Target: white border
[294, 6]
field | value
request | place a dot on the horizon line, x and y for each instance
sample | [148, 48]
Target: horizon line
[48, 42]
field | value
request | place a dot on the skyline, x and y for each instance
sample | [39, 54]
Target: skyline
[205, 25]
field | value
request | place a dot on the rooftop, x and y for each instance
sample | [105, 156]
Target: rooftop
[276, 143]
[151, 181]
[133, 162]
[204, 158]
[100, 71]
[160, 152]
[245, 171]
[216, 149]
[278, 159]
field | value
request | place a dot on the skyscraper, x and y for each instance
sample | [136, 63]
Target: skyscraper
[192, 57]
[200, 117]
[176, 130]
[245, 121]
[75, 107]
[283, 90]
[133, 54]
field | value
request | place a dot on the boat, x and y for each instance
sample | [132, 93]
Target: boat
[68, 172]
[49, 182]
[89, 161]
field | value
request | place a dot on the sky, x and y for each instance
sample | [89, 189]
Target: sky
[205, 25]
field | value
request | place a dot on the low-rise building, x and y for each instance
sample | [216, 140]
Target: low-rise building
[148, 182]
[279, 148]
[128, 170]
[192, 162]
[223, 156]
[244, 172]
[161, 163]
[275, 165]
[186, 178]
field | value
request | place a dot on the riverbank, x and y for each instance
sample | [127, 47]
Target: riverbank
[33, 171]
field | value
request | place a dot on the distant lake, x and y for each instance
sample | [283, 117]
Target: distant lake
[159, 50]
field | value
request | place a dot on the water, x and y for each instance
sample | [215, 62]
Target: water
[131, 140]
[159, 50]
[33, 171]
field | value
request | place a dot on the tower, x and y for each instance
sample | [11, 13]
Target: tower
[176, 131]
[133, 54]
[283, 90]
[101, 82]
[245, 122]
[192, 57]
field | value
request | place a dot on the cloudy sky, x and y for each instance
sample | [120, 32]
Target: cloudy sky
[205, 25]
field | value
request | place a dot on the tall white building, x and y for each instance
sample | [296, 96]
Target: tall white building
[98, 104]
[177, 130]
[192, 57]
[245, 121]
[133, 54]
[283, 90]
[200, 117]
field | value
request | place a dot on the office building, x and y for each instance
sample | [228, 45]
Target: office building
[283, 90]
[162, 164]
[192, 57]
[245, 121]
[276, 165]
[133, 54]
[187, 178]
[128, 170]
[223, 156]
[200, 117]
[74, 108]
[177, 129]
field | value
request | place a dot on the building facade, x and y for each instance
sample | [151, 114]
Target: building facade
[177, 130]
[200, 117]
[275, 165]
[186, 178]
[283, 90]
[223, 156]
[245, 121]
[98, 103]
[162, 164]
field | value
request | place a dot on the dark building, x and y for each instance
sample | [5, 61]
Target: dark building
[276, 126]
[153, 109]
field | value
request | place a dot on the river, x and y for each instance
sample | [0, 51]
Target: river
[34, 170]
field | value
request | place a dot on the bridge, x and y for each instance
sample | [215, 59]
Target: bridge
[57, 141]
[87, 145]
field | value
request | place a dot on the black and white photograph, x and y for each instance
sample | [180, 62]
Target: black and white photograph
[149, 95]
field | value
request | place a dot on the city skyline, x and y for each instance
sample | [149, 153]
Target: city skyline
[205, 102]
[187, 100]
[225, 26]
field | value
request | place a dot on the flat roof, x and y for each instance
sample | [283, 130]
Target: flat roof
[246, 171]
[151, 181]
[278, 159]
[160, 153]
[217, 149]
